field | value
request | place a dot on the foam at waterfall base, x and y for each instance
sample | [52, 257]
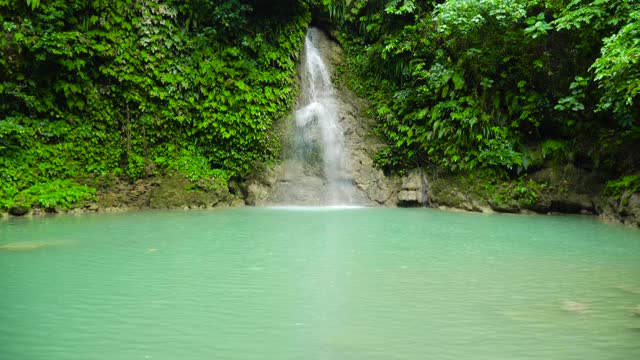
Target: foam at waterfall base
[316, 208]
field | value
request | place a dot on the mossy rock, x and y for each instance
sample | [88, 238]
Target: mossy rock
[19, 209]
[177, 191]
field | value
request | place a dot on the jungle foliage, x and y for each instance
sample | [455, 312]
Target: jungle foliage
[502, 85]
[90, 89]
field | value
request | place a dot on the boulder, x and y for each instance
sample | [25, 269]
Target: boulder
[92, 207]
[256, 193]
[510, 206]
[18, 209]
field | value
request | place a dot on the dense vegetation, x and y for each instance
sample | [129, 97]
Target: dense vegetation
[499, 85]
[130, 88]
[96, 90]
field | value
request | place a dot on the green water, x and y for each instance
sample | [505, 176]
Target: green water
[318, 284]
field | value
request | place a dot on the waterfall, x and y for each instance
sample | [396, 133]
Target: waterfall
[318, 165]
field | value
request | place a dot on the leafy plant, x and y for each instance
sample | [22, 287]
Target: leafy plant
[54, 194]
[555, 150]
[196, 168]
[93, 89]
[617, 187]
[469, 84]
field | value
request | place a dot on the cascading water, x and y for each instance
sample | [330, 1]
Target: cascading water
[319, 111]
[317, 170]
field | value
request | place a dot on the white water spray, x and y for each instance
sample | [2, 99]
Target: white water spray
[319, 136]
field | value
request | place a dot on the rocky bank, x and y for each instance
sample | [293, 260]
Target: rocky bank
[552, 189]
[555, 189]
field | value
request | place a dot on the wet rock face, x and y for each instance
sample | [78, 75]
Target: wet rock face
[361, 145]
[567, 190]
[257, 193]
[571, 190]
[162, 192]
[298, 184]
[625, 209]
[413, 190]
[177, 191]
[296, 180]
[121, 196]
[449, 192]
